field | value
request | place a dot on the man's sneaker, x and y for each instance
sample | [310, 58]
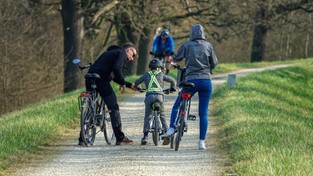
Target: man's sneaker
[144, 140]
[166, 140]
[201, 144]
[125, 141]
[169, 132]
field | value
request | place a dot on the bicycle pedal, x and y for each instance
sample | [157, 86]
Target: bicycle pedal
[192, 117]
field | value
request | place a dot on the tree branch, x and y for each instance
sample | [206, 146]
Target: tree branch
[103, 10]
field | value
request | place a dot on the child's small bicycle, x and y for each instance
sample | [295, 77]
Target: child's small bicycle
[156, 127]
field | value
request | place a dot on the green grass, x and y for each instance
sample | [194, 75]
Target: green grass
[267, 119]
[24, 131]
[267, 122]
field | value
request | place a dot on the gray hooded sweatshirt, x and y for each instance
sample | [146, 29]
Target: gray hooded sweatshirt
[199, 54]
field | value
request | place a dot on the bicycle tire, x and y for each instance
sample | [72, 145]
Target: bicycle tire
[172, 141]
[88, 128]
[179, 133]
[180, 127]
[155, 133]
[106, 125]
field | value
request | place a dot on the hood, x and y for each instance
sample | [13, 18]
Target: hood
[196, 32]
[113, 47]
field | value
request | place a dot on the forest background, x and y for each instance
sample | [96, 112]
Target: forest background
[40, 38]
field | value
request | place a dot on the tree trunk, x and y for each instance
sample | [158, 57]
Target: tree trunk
[73, 37]
[126, 33]
[144, 49]
[258, 43]
[132, 36]
[259, 34]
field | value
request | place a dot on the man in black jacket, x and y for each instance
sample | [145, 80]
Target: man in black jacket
[110, 66]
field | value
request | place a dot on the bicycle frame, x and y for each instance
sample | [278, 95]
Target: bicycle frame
[184, 103]
[93, 111]
[181, 120]
[155, 123]
[89, 110]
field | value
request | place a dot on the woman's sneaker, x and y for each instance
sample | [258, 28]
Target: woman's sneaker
[201, 144]
[169, 132]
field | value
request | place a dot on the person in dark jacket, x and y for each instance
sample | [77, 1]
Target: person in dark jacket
[153, 81]
[200, 60]
[110, 66]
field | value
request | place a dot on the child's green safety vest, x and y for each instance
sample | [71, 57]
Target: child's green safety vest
[154, 81]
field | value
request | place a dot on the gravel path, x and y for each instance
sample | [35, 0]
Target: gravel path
[67, 158]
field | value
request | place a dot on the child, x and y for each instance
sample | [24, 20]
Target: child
[153, 80]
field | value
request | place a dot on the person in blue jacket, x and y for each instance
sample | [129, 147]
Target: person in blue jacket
[163, 47]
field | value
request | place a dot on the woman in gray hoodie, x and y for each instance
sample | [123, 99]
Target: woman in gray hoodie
[200, 60]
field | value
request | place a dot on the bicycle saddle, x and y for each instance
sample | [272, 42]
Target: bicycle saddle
[156, 106]
[92, 76]
[186, 84]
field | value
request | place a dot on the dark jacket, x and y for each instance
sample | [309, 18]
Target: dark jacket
[110, 65]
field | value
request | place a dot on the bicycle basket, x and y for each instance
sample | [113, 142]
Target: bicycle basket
[181, 73]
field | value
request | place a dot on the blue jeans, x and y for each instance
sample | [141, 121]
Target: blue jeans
[204, 89]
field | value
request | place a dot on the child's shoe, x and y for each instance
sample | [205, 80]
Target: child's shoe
[144, 140]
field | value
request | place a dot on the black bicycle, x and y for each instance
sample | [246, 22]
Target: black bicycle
[93, 112]
[182, 116]
[156, 127]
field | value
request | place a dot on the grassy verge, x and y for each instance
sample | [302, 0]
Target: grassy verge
[23, 131]
[268, 122]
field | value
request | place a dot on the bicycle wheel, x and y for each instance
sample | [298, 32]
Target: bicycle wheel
[180, 131]
[106, 126]
[155, 133]
[88, 128]
[172, 141]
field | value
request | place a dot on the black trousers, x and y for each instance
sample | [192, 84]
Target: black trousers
[105, 90]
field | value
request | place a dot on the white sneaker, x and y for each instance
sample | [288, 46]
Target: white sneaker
[201, 144]
[169, 132]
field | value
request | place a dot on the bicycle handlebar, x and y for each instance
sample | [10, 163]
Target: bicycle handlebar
[160, 55]
[84, 66]
[165, 91]
[175, 65]
[81, 67]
